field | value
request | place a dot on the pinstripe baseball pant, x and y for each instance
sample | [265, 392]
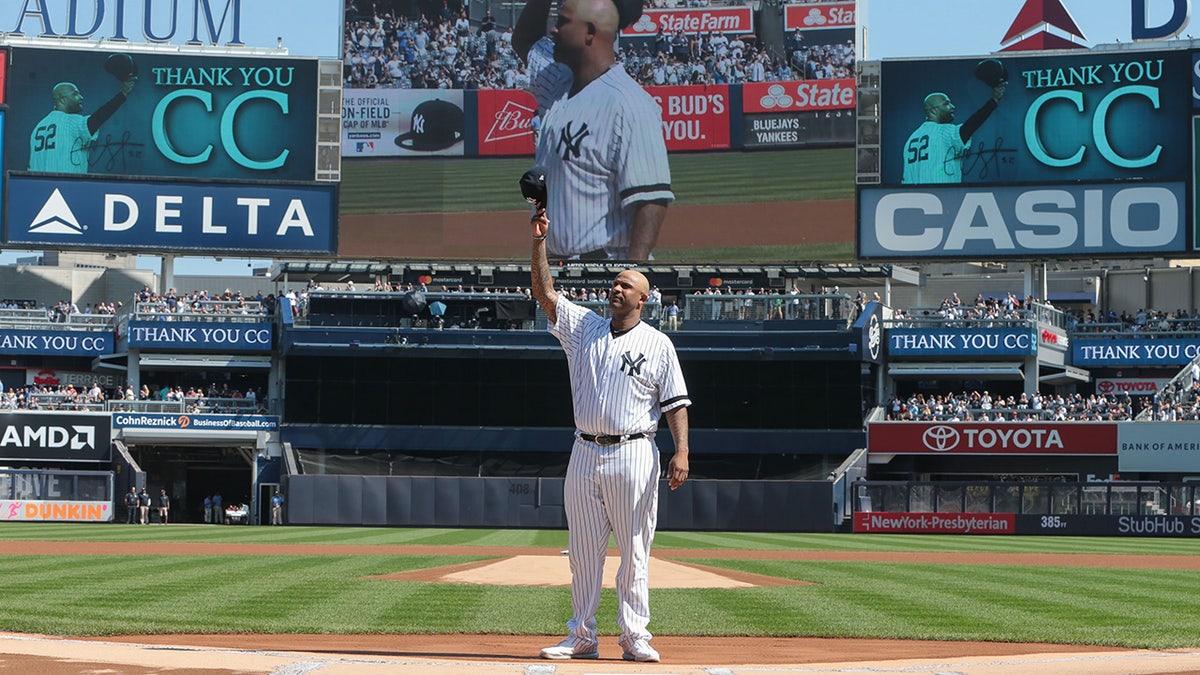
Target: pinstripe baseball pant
[611, 489]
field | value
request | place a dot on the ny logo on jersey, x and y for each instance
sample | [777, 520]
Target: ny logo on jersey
[568, 142]
[634, 365]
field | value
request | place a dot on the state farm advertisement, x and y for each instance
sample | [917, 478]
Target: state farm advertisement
[817, 17]
[992, 438]
[934, 523]
[696, 20]
[773, 97]
[1134, 386]
[695, 117]
[505, 121]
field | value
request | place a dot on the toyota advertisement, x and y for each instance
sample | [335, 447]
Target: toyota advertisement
[998, 438]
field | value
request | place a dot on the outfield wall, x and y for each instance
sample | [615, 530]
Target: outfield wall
[432, 501]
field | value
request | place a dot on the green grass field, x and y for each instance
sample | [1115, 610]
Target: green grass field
[138, 593]
[447, 185]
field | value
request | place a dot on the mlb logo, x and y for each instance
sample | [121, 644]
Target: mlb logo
[365, 146]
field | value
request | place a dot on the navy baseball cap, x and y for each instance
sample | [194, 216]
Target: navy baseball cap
[436, 125]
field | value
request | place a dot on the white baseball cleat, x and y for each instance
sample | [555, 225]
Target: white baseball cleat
[567, 650]
[640, 650]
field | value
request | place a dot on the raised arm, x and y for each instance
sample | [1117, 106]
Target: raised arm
[531, 27]
[543, 284]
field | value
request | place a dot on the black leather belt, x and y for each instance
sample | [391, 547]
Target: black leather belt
[610, 440]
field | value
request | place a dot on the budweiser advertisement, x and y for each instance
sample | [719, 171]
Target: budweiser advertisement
[934, 523]
[992, 438]
[695, 117]
[803, 95]
[506, 121]
[818, 17]
[693, 20]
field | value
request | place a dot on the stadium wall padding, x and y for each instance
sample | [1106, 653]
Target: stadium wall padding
[450, 501]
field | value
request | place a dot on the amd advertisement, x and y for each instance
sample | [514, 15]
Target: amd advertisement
[154, 114]
[57, 437]
[1079, 154]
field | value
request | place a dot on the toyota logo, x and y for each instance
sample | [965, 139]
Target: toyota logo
[1105, 386]
[941, 438]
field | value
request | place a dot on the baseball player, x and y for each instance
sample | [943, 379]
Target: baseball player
[933, 153]
[600, 138]
[624, 376]
[62, 140]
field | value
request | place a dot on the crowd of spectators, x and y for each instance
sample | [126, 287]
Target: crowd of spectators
[1142, 321]
[213, 399]
[203, 302]
[445, 50]
[976, 406]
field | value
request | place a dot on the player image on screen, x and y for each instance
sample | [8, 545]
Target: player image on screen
[600, 138]
[934, 152]
[62, 140]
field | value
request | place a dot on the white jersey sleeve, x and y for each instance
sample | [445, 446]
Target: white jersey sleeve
[60, 143]
[643, 172]
[549, 80]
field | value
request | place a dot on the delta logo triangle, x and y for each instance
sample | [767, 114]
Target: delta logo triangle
[55, 217]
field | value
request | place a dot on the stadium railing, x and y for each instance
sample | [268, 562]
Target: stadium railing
[46, 319]
[1029, 497]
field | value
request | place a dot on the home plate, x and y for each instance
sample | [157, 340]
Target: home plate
[555, 570]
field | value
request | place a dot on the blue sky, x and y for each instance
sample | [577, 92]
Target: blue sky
[915, 28]
[308, 28]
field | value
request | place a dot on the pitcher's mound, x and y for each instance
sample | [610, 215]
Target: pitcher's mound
[555, 570]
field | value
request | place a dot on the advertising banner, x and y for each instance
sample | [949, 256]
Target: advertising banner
[822, 16]
[55, 342]
[51, 377]
[402, 122]
[934, 523]
[201, 336]
[992, 438]
[1134, 386]
[160, 114]
[798, 95]
[1133, 351]
[505, 121]
[1111, 115]
[1171, 447]
[695, 117]
[158, 215]
[693, 20]
[1032, 221]
[57, 437]
[195, 422]
[981, 342]
[63, 512]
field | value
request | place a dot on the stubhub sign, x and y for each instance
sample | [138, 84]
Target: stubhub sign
[161, 215]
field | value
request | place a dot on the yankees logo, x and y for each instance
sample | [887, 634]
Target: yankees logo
[634, 365]
[418, 124]
[568, 142]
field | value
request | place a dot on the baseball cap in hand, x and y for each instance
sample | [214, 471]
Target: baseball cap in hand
[436, 125]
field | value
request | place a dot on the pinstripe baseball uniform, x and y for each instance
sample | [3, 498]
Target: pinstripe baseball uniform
[933, 154]
[60, 143]
[620, 384]
[603, 151]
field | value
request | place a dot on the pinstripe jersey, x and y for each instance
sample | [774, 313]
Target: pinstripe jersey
[933, 154]
[603, 151]
[60, 143]
[619, 385]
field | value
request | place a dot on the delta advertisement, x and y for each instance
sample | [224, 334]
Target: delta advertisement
[998, 438]
[149, 216]
[90, 111]
[1082, 154]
